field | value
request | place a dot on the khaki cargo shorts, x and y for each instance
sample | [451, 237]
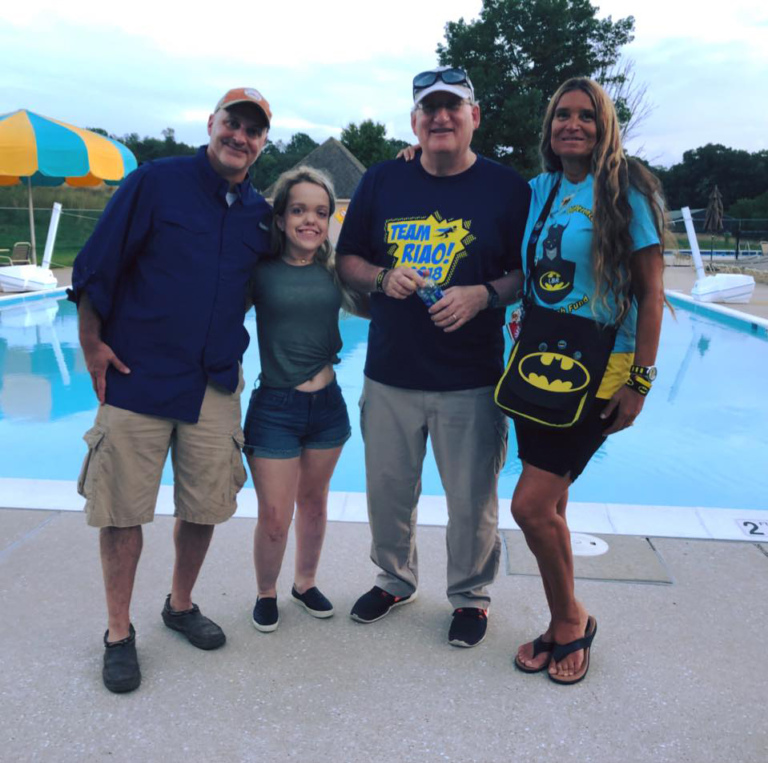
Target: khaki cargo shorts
[120, 478]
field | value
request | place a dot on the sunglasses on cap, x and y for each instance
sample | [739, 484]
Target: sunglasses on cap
[455, 76]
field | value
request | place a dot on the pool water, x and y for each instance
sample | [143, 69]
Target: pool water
[701, 440]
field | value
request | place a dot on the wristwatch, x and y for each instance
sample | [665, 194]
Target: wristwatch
[493, 296]
[648, 373]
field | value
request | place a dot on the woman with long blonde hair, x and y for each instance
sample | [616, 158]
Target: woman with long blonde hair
[297, 421]
[597, 254]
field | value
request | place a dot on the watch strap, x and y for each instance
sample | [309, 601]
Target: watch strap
[493, 296]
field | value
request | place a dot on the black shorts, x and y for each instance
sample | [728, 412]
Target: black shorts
[564, 452]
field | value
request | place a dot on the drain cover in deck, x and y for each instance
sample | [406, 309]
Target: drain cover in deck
[626, 558]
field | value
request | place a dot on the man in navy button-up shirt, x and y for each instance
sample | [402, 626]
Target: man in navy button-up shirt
[161, 288]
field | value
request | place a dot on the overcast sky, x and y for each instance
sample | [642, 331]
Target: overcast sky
[143, 66]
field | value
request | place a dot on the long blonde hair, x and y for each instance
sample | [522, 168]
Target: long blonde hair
[613, 174]
[326, 256]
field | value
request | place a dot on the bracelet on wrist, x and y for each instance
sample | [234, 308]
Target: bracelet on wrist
[379, 283]
[639, 385]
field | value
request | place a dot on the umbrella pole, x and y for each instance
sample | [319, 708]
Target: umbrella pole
[32, 222]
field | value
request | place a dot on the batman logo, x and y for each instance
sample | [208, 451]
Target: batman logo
[554, 372]
[551, 281]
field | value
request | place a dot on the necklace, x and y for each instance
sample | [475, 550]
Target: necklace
[297, 261]
[568, 198]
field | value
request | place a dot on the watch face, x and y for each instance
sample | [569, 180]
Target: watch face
[646, 372]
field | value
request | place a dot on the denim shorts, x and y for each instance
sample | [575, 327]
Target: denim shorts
[281, 422]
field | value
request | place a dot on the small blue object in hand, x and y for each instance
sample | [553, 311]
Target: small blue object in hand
[430, 293]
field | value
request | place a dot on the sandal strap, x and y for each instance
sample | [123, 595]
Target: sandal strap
[540, 646]
[585, 642]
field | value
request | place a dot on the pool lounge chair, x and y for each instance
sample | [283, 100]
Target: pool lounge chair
[20, 255]
[20, 274]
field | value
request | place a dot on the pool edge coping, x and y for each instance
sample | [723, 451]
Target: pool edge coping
[730, 315]
[720, 313]
[31, 296]
[691, 522]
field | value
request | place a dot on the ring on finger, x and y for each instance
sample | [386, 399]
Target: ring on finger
[454, 317]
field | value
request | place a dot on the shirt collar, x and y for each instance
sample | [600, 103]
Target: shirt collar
[218, 186]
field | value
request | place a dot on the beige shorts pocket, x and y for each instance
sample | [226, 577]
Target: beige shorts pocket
[239, 475]
[89, 472]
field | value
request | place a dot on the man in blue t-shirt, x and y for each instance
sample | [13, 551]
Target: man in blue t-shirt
[458, 218]
[161, 290]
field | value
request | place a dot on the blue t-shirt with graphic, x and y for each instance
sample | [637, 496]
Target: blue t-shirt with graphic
[563, 278]
[464, 229]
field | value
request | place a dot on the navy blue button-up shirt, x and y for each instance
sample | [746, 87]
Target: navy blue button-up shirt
[167, 269]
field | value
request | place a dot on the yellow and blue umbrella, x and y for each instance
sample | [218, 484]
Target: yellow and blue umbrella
[43, 151]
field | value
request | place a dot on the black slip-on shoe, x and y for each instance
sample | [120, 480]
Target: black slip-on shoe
[121, 671]
[266, 618]
[313, 601]
[200, 631]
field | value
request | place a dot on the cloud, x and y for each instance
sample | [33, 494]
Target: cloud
[303, 125]
[151, 65]
[703, 94]
[259, 33]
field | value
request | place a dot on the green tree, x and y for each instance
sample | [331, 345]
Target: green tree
[751, 208]
[369, 143]
[517, 53]
[300, 145]
[278, 157]
[146, 149]
[739, 175]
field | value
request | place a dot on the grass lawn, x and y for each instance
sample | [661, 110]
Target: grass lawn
[81, 208]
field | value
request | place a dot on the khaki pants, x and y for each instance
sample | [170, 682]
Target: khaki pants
[469, 440]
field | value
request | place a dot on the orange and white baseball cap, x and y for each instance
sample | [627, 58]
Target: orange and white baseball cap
[245, 95]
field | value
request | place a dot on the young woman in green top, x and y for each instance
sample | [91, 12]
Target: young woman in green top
[297, 420]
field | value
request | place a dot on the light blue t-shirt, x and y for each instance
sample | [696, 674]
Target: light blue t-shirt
[563, 272]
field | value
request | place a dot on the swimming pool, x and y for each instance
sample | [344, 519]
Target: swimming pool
[701, 443]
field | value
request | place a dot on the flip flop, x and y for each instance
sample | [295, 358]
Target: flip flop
[563, 650]
[539, 646]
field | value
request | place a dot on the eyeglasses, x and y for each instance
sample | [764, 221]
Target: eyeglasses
[455, 76]
[430, 108]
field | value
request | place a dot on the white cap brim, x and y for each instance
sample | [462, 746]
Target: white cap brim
[462, 91]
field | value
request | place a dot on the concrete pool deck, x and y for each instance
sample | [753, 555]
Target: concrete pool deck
[679, 671]
[682, 279]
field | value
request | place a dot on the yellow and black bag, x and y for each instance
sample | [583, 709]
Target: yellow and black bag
[558, 361]
[555, 368]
